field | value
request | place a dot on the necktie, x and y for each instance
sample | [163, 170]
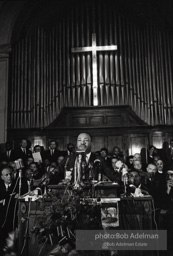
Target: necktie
[24, 151]
[7, 188]
[8, 154]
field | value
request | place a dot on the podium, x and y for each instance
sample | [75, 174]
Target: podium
[28, 213]
[134, 213]
[106, 189]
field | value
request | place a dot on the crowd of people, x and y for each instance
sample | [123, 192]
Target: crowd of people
[23, 170]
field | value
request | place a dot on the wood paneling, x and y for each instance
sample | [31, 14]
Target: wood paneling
[115, 141]
[137, 142]
[97, 143]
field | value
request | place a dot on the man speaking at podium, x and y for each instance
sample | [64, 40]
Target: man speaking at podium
[92, 167]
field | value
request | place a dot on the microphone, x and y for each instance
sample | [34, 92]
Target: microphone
[20, 173]
[19, 164]
[125, 180]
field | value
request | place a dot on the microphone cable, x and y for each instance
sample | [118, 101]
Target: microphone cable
[9, 203]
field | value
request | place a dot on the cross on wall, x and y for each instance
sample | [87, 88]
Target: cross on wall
[94, 48]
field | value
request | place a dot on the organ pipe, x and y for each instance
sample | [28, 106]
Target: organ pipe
[47, 76]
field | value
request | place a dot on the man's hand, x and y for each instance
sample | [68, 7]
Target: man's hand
[169, 185]
[16, 196]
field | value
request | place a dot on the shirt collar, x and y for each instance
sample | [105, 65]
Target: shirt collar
[88, 155]
[7, 185]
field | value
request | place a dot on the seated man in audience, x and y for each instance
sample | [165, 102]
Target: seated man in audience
[135, 186]
[116, 152]
[23, 152]
[156, 187]
[38, 154]
[8, 193]
[70, 150]
[137, 166]
[46, 164]
[129, 162]
[9, 154]
[115, 170]
[29, 160]
[37, 173]
[53, 176]
[160, 167]
[152, 151]
[151, 171]
[60, 159]
[131, 183]
[38, 148]
[151, 180]
[27, 181]
[14, 168]
[137, 157]
[105, 157]
[52, 153]
[156, 158]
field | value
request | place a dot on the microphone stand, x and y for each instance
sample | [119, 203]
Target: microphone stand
[125, 185]
[19, 165]
[20, 182]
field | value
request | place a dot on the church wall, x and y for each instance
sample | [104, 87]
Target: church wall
[47, 76]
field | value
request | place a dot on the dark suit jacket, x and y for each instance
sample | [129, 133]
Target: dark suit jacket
[22, 155]
[54, 157]
[7, 209]
[156, 188]
[169, 158]
[13, 156]
[92, 166]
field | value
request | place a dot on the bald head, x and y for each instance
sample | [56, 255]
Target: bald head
[84, 142]
[6, 175]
